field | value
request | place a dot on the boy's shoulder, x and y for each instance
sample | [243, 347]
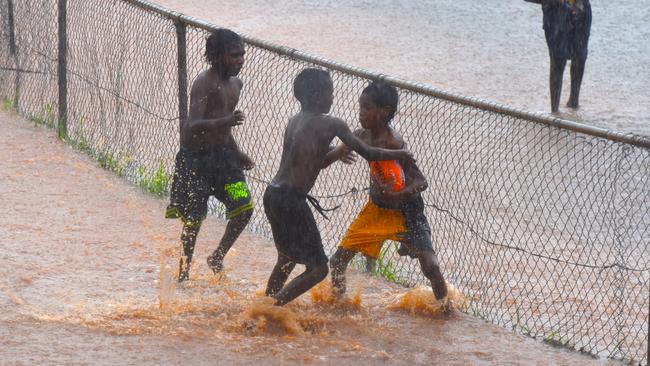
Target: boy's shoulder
[321, 122]
[201, 80]
[330, 118]
[207, 78]
[327, 121]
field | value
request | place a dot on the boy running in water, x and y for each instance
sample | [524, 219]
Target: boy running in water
[305, 152]
[395, 209]
[209, 161]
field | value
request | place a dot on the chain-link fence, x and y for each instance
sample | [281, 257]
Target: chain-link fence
[542, 223]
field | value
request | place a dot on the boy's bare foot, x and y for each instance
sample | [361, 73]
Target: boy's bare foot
[215, 263]
[572, 104]
[183, 271]
[446, 306]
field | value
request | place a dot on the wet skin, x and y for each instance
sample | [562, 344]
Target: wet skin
[306, 149]
[213, 99]
[376, 132]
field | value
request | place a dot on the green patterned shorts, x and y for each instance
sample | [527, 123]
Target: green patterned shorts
[193, 186]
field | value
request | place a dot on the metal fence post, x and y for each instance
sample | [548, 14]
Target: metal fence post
[14, 51]
[12, 35]
[181, 41]
[62, 71]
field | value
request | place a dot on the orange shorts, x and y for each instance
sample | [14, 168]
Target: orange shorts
[371, 228]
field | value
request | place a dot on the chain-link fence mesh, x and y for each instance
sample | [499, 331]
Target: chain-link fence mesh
[545, 229]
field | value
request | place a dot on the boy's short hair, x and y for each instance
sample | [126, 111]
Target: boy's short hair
[218, 43]
[309, 83]
[383, 95]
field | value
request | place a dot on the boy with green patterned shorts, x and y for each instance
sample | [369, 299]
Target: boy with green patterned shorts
[209, 162]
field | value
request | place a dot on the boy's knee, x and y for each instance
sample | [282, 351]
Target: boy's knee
[192, 226]
[243, 217]
[246, 215]
[335, 260]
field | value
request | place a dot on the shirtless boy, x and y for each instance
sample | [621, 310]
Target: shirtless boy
[395, 209]
[305, 152]
[209, 162]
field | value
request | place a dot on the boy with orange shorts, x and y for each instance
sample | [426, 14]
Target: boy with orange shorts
[395, 210]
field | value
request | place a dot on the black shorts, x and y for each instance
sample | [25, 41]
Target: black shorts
[418, 232]
[199, 175]
[294, 229]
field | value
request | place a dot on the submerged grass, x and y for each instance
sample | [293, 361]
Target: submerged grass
[383, 267]
[9, 103]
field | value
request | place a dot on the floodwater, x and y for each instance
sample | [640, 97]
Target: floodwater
[493, 50]
[87, 277]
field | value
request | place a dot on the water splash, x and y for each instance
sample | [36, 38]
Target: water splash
[324, 293]
[166, 283]
[422, 300]
[262, 316]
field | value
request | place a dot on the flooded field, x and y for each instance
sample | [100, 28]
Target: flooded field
[494, 50]
[86, 277]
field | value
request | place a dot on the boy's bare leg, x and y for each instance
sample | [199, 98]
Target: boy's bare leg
[339, 264]
[555, 82]
[188, 239]
[301, 284]
[371, 264]
[279, 276]
[577, 70]
[234, 228]
[431, 270]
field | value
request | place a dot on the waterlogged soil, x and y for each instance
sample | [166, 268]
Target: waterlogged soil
[87, 266]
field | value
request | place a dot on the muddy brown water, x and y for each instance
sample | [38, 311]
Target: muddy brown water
[86, 277]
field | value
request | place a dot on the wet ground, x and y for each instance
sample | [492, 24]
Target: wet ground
[491, 50]
[86, 277]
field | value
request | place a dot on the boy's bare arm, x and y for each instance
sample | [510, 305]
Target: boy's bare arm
[235, 118]
[342, 131]
[415, 183]
[247, 162]
[340, 152]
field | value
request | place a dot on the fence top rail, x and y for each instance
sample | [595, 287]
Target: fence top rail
[629, 138]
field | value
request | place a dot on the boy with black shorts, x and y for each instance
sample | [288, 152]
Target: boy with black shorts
[209, 162]
[305, 152]
[395, 210]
